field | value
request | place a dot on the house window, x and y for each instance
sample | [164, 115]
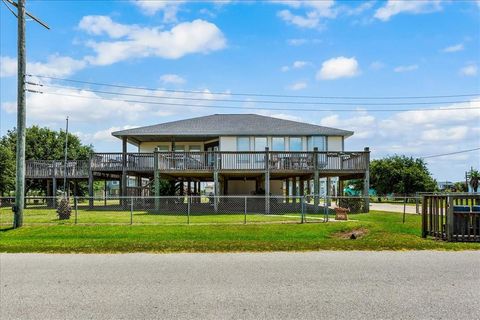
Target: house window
[260, 143]
[278, 144]
[194, 148]
[179, 148]
[162, 148]
[296, 144]
[243, 144]
[317, 142]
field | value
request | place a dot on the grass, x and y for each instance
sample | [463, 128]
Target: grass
[384, 231]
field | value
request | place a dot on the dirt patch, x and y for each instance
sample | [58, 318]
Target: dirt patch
[351, 234]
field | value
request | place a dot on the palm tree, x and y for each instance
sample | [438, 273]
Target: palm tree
[474, 179]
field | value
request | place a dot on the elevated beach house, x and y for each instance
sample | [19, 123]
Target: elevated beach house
[228, 154]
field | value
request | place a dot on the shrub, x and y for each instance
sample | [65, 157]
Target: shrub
[354, 205]
[64, 209]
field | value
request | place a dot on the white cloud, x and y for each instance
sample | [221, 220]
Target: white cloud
[106, 135]
[299, 64]
[295, 65]
[55, 66]
[315, 11]
[417, 133]
[408, 68]
[8, 67]
[339, 67]
[169, 8]
[198, 36]
[454, 48]
[297, 86]
[172, 79]
[297, 42]
[469, 70]
[377, 65]
[394, 7]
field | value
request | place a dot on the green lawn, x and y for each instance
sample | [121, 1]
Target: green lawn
[384, 231]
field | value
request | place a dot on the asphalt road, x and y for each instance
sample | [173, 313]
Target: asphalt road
[314, 285]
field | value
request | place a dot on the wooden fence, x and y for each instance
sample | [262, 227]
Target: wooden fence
[451, 217]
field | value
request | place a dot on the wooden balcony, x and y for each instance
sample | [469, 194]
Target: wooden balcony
[170, 162]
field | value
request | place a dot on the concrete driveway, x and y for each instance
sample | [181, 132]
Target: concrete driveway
[393, 207]
[313, 285]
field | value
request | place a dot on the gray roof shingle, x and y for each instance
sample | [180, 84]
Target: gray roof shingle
[232, 124]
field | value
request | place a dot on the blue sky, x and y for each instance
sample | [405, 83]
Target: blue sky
[320, 48]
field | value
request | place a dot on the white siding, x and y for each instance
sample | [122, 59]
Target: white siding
[228, 143]
[150, 146]
[334, 143]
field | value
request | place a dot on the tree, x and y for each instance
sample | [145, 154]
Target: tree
[460, 187]
[41, 144]
[474, 179]
[400, 174]
[7, 170]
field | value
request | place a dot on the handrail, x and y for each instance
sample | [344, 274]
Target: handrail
[205, 161]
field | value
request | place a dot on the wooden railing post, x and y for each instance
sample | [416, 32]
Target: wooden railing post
[450, 218]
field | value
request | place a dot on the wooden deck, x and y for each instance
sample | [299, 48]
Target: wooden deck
[203, 162]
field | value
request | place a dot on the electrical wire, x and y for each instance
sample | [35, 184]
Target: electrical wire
[450, 153]
[257, 94]
[248, 107]
[250, 101]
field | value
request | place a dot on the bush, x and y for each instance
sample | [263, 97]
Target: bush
[64, 209]
[354, 205]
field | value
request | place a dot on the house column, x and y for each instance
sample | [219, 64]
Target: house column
[216, 183]
[302, 187]
[294, 190]
[90, 184]
[287, 190]
[123, 184]
[156, 180]
[316, 180]
[267, 180]
[329, 191]
[366, 180]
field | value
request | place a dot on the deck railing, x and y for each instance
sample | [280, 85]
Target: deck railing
[203, 161]
[452, 217]
[56, 168]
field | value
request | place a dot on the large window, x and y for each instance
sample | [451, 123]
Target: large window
[317, 142]
[296, 144]
[179, 148]
[278, 144]
[243, 144]
[162, 148]
[194, 148]
[260, 143]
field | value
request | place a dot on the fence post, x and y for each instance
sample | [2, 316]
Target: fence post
[131, 210]
[450, 221]
[325, 209]
[75, 204]
[302, 207]
[416, 203]
[188, 209]
[245, 212]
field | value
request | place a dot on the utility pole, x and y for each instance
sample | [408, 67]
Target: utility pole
[65, 189]
[21, 111]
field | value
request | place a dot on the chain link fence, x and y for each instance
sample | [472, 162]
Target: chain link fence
[187, 209]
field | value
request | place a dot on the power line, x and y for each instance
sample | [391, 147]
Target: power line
[450, 153]
[244, 107]
[258, 94]
[249, 101]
